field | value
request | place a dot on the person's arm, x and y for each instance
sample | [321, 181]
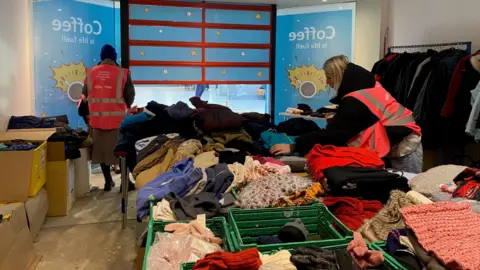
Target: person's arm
[129, 92]
[351, 118]
[85, 88]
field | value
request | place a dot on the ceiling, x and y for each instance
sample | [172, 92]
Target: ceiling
[286, 3]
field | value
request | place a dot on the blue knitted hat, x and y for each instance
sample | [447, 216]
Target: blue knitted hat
[108, 51]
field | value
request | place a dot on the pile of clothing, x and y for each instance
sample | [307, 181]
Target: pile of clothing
[449, 183]
[18, 145]
[437, 88]
[436, 236]
[355, 256]
[305, 109]
[30, 121]
[182, 242]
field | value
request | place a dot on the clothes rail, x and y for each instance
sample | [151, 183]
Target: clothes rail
[467, 46]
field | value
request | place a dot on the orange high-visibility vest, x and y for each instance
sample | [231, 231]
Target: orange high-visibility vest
[105, 84]
[389, 112]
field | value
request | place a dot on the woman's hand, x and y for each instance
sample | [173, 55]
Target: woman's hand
[281, 149]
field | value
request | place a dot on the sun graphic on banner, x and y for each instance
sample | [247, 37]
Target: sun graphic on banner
[69, 78]
[308, 80]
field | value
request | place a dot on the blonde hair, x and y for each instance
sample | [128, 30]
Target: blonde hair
[334, 69]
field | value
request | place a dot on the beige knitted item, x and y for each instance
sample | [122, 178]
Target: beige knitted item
[163, 212]
[389, 218]
[281, 258]
[427, 183]
[206, 160]
[238, 171]
[418, 198]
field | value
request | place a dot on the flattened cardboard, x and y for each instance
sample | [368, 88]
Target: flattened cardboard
[60, 187]
[16, 245]
[37, 208]
[83, 173]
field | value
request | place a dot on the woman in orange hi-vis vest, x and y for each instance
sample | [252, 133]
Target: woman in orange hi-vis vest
[368, 116]
[109, 91]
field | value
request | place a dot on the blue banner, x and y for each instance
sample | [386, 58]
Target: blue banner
[306, 37]
[67, 37]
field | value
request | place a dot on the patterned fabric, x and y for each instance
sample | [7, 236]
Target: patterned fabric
[262, 192]
[304, 197]
[255, 170]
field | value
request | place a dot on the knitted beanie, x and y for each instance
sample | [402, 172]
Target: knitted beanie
[293, 232]
[108, 51]
[389, 218]
[428, 182]
[448, 230]
[281, 258]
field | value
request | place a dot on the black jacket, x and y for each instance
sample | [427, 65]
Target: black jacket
[351, 118]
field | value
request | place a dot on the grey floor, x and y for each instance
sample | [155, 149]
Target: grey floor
[91, 236]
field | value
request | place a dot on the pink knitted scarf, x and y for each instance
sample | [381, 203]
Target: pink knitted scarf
[449, 230]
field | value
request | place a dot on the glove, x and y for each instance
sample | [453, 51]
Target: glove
[361, 255]
[314, 258]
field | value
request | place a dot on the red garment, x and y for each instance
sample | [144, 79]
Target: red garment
[274, 161]
[468, 184]
[352, 212]
[455, 84]
[107, 107]
[324, 157]
[389, 112]
[243, 260]
[259, 159]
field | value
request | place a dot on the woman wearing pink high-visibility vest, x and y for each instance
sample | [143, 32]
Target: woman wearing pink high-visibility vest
[368, 116]
[110, 93]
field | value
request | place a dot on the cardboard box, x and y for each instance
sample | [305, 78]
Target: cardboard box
[83, 172]
[60, 187]
[23, 172]
[16, 245]
[36, 208]
[55, 150]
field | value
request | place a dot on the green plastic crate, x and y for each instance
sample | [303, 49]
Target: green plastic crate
[387, 265]
[217, 225]
[247, 225]
[381, 246]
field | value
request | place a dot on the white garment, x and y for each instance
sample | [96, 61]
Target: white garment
[474, 114]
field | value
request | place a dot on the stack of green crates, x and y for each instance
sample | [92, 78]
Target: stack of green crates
[247, 225]
[217, 225]
[387, 265]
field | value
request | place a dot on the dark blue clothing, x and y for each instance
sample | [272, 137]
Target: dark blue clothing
[183, 177]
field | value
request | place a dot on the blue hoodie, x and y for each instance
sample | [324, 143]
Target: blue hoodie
[179, 180]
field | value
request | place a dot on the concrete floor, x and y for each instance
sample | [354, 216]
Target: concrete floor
[91, 236]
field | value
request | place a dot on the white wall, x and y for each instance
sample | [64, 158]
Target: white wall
[15, 56]
[434, 21]
[367, 32]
